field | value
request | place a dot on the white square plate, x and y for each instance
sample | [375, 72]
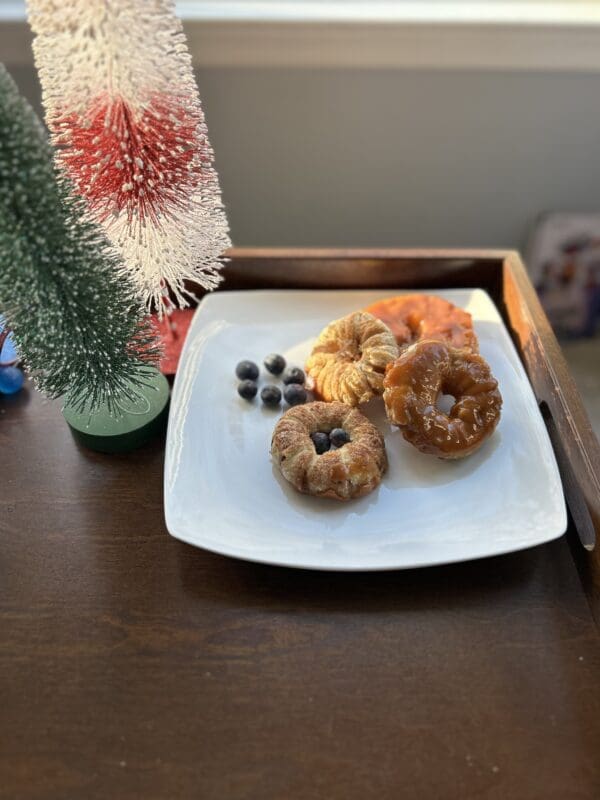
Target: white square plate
[222, 493]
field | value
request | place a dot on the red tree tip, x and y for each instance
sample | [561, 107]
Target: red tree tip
[144, 164]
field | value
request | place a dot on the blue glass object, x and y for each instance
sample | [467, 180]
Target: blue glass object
[9, 352]
[11, 380]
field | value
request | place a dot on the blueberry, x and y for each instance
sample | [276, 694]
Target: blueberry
[321, 442]
[294, 394]
[338, 437]
[275, 364]
[271, 396]
[247, 370]
[293, 375]
[247, 389]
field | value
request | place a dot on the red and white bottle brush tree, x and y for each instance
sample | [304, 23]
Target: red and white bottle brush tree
[125, 116]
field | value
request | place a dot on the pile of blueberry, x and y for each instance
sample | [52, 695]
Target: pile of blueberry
[293, 379]
[324, 442]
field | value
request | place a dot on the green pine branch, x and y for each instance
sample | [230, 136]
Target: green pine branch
[75, 317]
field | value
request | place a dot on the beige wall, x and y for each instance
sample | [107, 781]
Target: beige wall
[397, 157]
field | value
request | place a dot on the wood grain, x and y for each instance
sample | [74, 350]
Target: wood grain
[134, 666]
[357, 269]
[575, 444]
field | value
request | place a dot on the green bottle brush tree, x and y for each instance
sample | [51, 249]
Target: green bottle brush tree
[78, 323]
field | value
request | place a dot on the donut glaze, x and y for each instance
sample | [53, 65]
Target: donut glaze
[415, 317]
[349, 359]
[413, 384]
[353, 470]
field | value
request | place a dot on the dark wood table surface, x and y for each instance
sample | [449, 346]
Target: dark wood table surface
[135, 666]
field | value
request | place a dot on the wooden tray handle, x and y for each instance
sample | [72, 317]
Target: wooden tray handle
[575, 444]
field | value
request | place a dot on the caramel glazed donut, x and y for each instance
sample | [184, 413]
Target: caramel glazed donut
[349, 359]
[415, 317]
[353, 470]
[413, 384]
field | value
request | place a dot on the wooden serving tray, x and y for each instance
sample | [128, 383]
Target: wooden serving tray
[503, 275]
[133, 665]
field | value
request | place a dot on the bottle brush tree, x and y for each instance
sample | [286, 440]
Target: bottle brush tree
[76, 316]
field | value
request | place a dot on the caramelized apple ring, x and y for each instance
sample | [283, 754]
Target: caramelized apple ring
[414, 317]
[349, 359]
[350, 471]
[413, 384]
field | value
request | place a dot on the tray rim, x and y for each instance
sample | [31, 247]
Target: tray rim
[502, 272]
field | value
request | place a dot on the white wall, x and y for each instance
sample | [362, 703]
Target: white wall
[397, 157]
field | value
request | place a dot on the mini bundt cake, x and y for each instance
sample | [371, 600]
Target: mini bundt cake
[343, 473]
